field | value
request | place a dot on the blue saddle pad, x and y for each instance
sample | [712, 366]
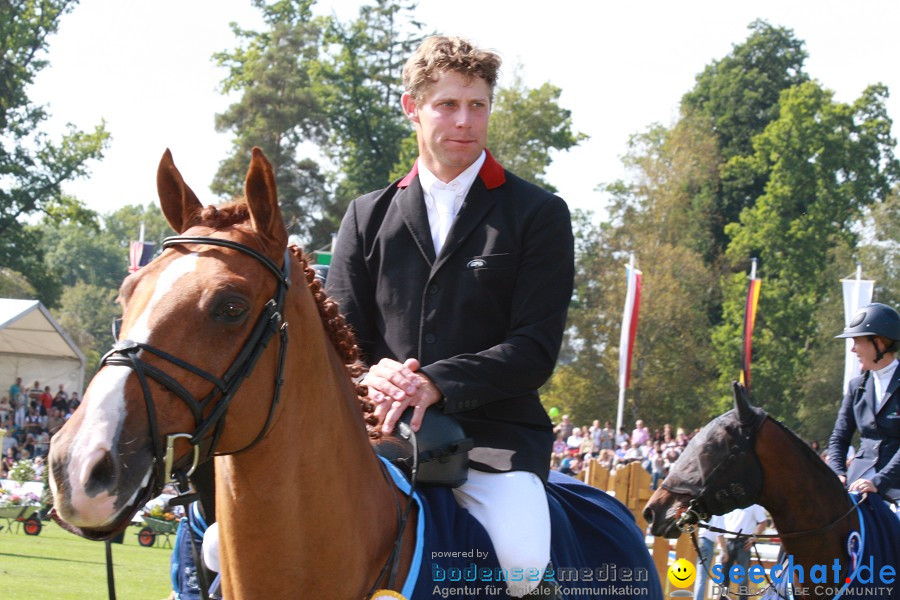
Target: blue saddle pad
[597, 552]
[876, 544]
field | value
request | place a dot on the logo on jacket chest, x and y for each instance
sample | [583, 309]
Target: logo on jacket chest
[476, 263]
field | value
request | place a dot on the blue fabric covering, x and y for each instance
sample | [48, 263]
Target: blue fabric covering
[880, 536]
[880, 532]
[598, 552]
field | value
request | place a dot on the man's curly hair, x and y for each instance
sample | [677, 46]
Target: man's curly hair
[439, 54]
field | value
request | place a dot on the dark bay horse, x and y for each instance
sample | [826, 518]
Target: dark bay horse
[745, 457]
[229, 348]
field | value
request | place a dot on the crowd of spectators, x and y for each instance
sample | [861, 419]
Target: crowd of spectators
[29, 416]
[656, 450]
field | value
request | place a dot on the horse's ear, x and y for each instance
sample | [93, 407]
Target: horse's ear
[179, 203]
[742, 403]
[262, 199]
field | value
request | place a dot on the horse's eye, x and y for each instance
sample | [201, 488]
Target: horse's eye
[232, 311]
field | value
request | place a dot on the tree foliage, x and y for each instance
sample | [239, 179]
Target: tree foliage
[33, 167]
[825, 163]
[361, 85]
[86, 312]
[738, 95]
[322, 97]
[525, 125]
[762, 163]
[91, 261]
[278, 111]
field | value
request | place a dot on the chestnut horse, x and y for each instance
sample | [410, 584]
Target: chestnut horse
[745, 457]
[212, 331]
[192, 312]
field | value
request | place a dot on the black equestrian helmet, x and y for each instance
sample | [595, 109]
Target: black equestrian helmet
[874, 319]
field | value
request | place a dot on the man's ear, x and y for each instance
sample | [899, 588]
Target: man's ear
[410, 107]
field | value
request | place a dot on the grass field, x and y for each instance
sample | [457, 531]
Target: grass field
[56, 565]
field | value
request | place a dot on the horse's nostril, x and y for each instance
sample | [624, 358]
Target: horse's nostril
[648, 516]
[101, 473]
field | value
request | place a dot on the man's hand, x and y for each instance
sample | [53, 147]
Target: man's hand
[394, 386]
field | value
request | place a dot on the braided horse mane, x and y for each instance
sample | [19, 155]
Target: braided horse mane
[339, 332]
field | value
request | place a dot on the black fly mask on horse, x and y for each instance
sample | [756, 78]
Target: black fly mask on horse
[719, 469]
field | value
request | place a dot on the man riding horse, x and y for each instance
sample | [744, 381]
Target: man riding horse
[456, 280]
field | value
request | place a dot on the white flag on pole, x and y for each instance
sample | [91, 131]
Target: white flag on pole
[629, 330]
[857, 293]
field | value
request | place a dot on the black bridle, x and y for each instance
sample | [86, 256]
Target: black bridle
[270, 321]
[718, 493]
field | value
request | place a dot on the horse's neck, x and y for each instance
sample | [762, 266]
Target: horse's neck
[311, 496]
[803, 496]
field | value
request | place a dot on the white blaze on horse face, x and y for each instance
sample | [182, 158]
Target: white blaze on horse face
[98, 433]
[165, 283]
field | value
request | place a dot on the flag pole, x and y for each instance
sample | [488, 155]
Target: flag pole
[629, 330]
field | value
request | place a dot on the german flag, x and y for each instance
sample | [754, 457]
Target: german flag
[749, 321]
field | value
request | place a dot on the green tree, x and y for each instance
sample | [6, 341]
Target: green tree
[123, 226]
[824, 163]
[86, 312]
[81, 253]
[14, 285]
[738, 96]
[526, 124]
[653, 216]
[360, 86]
[32, 167]
[278, 110]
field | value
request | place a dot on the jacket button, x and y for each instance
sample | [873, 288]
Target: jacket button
[433, 289]
[430, 338]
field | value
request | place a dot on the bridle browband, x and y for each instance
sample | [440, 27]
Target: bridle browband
[271, 320]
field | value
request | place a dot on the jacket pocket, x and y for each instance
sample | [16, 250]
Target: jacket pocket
[490, 262]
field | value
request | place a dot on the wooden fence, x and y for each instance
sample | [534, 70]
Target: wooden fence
[631, 486]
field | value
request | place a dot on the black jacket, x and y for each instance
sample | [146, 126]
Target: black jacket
[485, 318]
[880, 436]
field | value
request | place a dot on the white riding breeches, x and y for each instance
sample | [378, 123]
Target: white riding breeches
[512, 507]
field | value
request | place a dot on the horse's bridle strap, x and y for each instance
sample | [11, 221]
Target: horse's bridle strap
[282, 275]
[270, 321]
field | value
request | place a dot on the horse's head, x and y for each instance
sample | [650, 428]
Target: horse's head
[195, 322]
[717, 472]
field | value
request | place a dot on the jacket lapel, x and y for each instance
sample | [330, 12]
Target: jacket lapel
[474, 208]
[410, 202]
[892, 387]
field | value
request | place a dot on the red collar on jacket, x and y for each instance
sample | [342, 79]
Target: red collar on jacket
[491, 173]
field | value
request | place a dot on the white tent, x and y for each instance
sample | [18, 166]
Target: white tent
[34, 347]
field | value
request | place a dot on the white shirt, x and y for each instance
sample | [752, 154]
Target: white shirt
[432, 186]
[715, 521]
[882, 379]
[744, 520]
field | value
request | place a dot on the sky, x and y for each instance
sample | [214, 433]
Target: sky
[146, 68]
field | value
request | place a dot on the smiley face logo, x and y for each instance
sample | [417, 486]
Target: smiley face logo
[682, 573]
